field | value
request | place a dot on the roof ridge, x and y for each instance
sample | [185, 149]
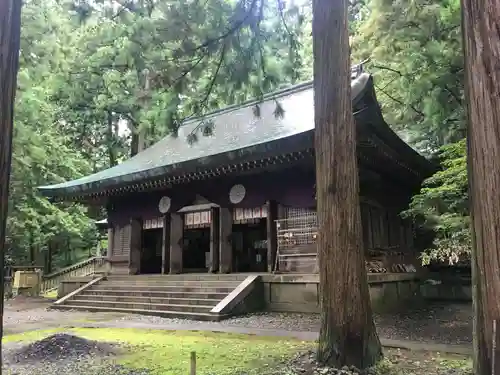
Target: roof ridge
[271, 95]
[356, 71]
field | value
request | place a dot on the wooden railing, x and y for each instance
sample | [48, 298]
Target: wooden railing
[88, 267]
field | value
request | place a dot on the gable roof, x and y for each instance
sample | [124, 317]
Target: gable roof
[236, 131]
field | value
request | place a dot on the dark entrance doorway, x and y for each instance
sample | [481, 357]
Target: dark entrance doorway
[250, 247]
[151, 251]
[196, 249]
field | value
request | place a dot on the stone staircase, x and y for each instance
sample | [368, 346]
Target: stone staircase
[187, 296]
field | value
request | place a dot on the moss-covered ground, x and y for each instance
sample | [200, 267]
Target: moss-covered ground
[168, 352]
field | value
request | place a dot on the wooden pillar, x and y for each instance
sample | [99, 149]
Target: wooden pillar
[176, 237]
[214, 239]
[272, 240]
[134, 258]
[225, 238]
[111, 242]
[165, 244]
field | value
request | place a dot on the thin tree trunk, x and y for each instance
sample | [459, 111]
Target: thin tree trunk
[480, 25]
[347, 335]
[10, 30]
[48, 257]
[32, 249]
[110, 140]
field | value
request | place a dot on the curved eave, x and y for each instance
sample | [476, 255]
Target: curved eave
[242, 156]
[407, 155]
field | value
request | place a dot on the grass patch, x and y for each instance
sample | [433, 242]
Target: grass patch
[51, 294]
[30, 336]
[168, 352]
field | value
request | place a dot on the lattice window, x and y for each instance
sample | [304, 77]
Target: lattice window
[297, 232]
[121, 243]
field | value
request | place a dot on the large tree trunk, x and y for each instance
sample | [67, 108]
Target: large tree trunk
[348, 335]
[10, 29]
[480, 24]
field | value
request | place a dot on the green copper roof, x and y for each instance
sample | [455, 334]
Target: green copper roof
[235, 128]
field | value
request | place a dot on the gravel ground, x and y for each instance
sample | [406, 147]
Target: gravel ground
[84, 365]
[439, 323]
[28, 313]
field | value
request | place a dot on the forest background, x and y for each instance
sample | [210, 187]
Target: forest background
[97, 81]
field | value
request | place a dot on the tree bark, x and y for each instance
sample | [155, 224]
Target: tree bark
[480, 25]
[10, 30]
[348, 335]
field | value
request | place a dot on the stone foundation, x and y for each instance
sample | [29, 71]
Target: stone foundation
[446, 288]
[299, 293]
[68, 286]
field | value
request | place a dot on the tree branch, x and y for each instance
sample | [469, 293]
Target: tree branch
[417, 111]
[452, 94]
[235, 27]
[210, 88]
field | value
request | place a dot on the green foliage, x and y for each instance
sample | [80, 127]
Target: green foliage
[443, 206]
[414, 47]
[414, 52]
[148, 66]
[41, 151]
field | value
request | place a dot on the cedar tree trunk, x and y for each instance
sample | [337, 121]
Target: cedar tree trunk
[10, 29]
[348, 335]
[481, 40]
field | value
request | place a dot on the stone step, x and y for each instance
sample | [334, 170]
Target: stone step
[193, 277]
[190, 283]
[154, 294]
[161, 288]
[142, 306]
[152, 300]
[165, 314]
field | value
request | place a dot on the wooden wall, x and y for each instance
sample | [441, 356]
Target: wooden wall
[387, 239]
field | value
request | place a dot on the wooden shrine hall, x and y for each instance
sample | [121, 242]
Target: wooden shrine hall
[243, 199]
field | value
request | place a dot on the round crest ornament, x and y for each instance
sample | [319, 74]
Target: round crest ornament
[164, 205]
[237, 194]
